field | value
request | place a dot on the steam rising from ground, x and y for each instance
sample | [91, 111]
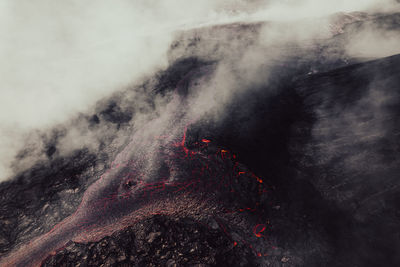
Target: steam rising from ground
[59, 58]
[375, 42]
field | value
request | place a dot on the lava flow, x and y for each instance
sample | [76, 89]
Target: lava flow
[180, 178]
[152, 175]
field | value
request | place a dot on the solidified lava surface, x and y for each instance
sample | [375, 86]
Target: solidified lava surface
[300, 168]
[159, 241]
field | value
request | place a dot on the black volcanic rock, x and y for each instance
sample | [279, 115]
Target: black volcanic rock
[158, 241]
[324, 142]
[42, 196]
[114, 114]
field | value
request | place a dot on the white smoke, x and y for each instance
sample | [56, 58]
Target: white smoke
[59, 57]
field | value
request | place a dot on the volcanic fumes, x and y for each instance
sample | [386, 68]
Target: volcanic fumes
[158, 174]
[242, 152]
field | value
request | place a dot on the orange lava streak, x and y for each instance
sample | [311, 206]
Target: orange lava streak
[258, 229]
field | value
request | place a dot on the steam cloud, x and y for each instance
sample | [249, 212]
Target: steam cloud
[59, 58]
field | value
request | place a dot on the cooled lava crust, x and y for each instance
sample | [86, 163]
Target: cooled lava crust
[302, 171]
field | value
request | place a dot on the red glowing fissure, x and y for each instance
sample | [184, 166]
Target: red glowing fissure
[149, 189]
[188, 186]
[104, 200]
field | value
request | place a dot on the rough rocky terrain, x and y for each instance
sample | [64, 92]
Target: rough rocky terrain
[316, 142]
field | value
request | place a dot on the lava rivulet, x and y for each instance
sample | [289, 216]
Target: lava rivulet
[156, 173]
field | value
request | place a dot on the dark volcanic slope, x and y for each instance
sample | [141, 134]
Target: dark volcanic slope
[329, 143]
[352, 157]
[40, 197]
[330, 152]
[326, 146]
[158, 241]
